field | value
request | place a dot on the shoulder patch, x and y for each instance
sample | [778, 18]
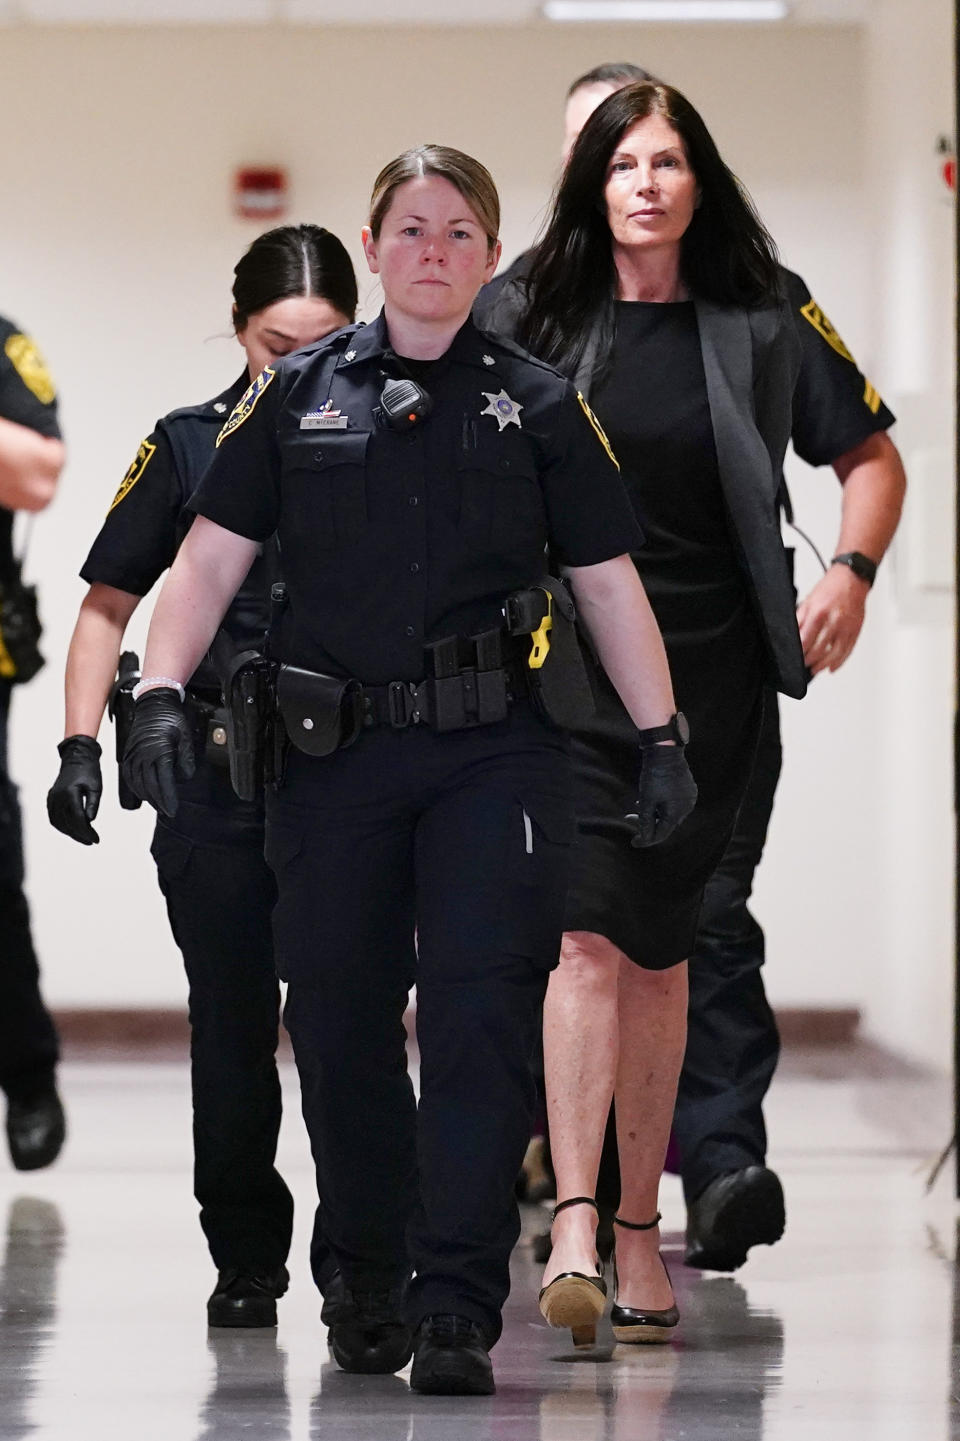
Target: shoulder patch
[30, 366]
[872, 398]
[246, 405]
[601, 433]
[812, 312]
[140, 462]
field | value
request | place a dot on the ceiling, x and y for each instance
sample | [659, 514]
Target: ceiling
[334, 12]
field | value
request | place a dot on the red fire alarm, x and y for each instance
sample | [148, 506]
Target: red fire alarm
[260, 192]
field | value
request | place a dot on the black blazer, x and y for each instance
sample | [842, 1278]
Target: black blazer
[751, 360]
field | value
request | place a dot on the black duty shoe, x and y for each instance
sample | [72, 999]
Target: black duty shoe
[246, 1298]
[367, 1332]
[450, 1358]
[734, 1212]
[36, 1128]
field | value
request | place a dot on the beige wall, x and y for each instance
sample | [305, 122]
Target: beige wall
[117, 248]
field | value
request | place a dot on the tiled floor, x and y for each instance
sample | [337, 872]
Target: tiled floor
[847, 1329]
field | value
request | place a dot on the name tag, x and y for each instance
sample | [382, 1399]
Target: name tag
[324, 420]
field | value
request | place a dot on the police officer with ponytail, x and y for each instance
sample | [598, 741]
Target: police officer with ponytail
[293, 285]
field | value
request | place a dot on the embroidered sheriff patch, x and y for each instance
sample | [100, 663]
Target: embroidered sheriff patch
[29, 365]
[601, 434]
[140, 462]
[246, 405]
[812, 312]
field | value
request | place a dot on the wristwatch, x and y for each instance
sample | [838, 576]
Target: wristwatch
[676, 729]
[860, 564]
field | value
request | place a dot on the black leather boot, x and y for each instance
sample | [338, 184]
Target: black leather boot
[450, 1358]
[367, 1332]
[36, 1127]
[246, 1297]
[734, 1212]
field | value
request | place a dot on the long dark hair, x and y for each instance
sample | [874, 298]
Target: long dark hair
[289, 261]
[726, 253]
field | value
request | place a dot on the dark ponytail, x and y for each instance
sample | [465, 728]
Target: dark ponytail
[293, 260]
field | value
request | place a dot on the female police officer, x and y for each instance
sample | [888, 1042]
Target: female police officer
[402, 531]
[293, 285]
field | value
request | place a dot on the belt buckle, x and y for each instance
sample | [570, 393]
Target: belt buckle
[402, 704]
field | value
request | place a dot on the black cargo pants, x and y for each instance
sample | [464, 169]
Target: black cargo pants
[220, 895]
[28, 1041]
[732, 1039]
[462, 839]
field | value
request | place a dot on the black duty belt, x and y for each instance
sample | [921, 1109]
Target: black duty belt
[457, 702]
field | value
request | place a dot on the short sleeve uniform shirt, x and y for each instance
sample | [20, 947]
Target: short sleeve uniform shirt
[147, 520]
[392, 540]
[27, 397]
[835, 406]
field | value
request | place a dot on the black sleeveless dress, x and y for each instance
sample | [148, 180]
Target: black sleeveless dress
[652, 402]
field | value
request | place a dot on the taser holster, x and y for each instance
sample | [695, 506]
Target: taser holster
[321, 713]
[555, 671]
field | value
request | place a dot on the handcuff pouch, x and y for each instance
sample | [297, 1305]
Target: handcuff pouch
[321, 713]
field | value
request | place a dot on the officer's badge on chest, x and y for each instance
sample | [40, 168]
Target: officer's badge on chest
[502, 408]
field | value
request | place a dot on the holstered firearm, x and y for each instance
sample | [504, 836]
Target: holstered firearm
[250, 693]
[557, 680]
[120, 708]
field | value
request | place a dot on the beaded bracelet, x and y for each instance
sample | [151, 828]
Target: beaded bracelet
[154, 682]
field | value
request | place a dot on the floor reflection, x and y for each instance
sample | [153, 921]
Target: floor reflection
[250, 1380]
[28, 1306]
[849, 1329]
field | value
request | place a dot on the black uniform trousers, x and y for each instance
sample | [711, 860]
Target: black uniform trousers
[462, 839]
[28, 1042]
[220, 895]
[732, 1039]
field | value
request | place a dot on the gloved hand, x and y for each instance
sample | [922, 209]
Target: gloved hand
[160, 745]
[74, 798]
[668, 793]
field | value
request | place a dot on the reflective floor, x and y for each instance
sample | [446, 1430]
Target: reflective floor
[848, 1328]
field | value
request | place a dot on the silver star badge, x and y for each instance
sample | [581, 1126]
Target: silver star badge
[507, 411]
[350, 355]
[489, 360]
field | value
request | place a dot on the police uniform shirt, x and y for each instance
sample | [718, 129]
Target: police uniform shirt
[392, 540]
[27, 397]
[835, 407]
[147, 520]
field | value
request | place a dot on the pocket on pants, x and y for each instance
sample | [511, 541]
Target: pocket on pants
[538, 865]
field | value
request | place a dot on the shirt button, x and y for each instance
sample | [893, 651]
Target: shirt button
[414, 500]
[414, 568]
[411, 630]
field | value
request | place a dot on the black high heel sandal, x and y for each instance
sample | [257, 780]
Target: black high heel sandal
[573, 1299]
[631, 1324]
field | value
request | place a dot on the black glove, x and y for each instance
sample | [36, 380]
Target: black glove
[668, 793]
[160, 744]
[74, 798]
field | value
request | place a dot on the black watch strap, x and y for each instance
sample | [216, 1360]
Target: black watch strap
[860, 564]
[676, 729]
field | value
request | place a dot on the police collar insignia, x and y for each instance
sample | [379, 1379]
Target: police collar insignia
[507, 411]
[323, 420]
[489, 360]
[245, 405]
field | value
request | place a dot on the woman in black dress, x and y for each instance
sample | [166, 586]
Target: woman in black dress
[657, 288]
